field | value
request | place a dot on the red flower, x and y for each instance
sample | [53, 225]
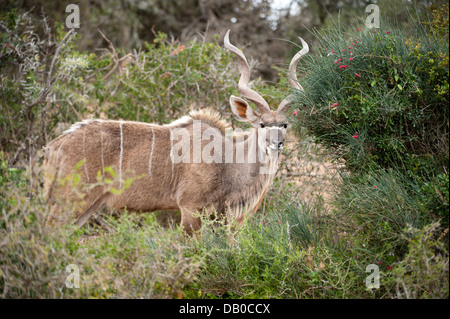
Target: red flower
[342, 66]
[374, 31]
[355, 136]
[332, 51]
[378, 262]
[358, 29]
[350, 59]
[339, 59]
[388, 32]
[375, 186]
[333, 105]
[343, 50]
[295, 113]
[389, 268]
[357, 75]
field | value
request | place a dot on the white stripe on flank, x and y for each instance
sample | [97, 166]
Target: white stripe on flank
[59, 150]
[84, 153]
[120, 155]
[151, 154]
[171, 148]
[101, 146]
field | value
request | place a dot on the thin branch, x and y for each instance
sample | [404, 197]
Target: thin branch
[49, 76]
[49, 85]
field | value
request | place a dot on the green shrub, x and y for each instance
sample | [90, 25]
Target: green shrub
[381, 205]
[378, 95]
[128, 257]
[423, 273]
[291, 251]
[380, 99]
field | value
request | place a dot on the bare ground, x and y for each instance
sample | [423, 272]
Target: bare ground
[310, 169]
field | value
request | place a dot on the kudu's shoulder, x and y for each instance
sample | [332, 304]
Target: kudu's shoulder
[211, 118]
[207, 117]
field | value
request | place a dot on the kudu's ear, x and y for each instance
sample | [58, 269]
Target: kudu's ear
[242, 111]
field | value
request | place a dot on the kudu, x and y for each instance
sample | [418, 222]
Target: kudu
[230, 186]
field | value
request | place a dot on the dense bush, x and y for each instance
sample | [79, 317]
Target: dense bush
[380, 93]
[131, 257]
[423, 273]
[380, 97]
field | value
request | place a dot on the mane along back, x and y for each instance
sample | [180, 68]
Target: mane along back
[211, 118]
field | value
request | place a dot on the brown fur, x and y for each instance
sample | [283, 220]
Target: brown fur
[188, 187]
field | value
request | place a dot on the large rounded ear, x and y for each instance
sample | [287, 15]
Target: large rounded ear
[242, 111]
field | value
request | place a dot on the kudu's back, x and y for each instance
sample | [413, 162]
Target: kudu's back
[126, 165]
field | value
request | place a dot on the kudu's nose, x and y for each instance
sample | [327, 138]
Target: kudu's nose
[278, 143]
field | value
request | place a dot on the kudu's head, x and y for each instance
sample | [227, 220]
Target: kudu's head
[270, 124]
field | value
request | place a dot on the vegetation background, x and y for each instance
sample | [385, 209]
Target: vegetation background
[370, 139]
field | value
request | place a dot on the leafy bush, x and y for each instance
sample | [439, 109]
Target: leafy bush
[128, 257]
[423, 273]
[292, 251]
[381, 94]
[380, 99]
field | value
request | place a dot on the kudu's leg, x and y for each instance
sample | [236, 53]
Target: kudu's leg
[90, 209]
[189, 221]
[72, 208]
[56, 216]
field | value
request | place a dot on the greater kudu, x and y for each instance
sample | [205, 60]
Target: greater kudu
[229, 185]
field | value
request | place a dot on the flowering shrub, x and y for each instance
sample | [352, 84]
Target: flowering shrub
[390, 86]
[379, 98]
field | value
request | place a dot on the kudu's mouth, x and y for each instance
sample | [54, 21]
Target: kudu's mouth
[271, 149]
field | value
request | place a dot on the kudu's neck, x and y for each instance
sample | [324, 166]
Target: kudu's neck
[250, 178]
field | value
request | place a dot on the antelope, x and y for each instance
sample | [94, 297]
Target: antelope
[232, 186]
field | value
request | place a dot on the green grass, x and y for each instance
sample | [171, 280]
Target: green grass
[292, 250]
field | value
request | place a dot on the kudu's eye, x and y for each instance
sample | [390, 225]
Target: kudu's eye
[285, 125]
[262, 125]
